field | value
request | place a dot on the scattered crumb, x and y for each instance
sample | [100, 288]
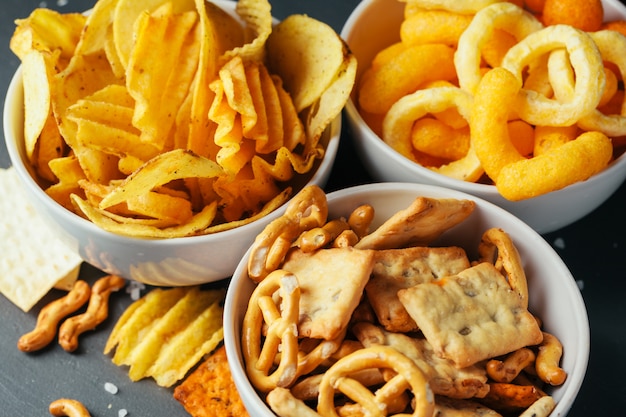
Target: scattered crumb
[580, 283]
[122, 413]
[559, 243]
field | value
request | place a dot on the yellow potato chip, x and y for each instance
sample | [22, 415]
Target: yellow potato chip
[160, 71]
[307, 54]
[257, 15]
[124, 17]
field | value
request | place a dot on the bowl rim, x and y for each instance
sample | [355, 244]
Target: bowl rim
[15, 93]
[234, 301]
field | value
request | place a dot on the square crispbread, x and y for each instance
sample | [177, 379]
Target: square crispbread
[419, 224]
[443, 376]
[33, 259]
[471, 316]
[395, 269]
[452, 407]
[331, 286]
[209, 391]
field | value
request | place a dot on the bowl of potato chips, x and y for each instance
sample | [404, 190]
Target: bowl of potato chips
[408, 298]
[158, 139]
[473, 97]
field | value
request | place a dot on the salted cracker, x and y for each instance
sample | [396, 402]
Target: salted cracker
[396, 269]
[471, 316]
[33, 259]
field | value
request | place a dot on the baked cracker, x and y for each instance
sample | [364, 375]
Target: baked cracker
[419, 224]
[395, 269]
[443, 376]
[471, 316]
[209, 391]
[452, 407]
[331, 285]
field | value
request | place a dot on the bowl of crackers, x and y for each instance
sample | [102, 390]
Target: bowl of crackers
[408, 298]
[163, 173]
[475, 99]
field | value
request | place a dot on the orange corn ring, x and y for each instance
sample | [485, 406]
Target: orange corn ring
[401, 116]
[584, 57]
[522, 136]
[549, 137]
[503, 16]
[435, 138]
[611, 45]
[493, 103]
[569, 163]
[465, 7]
[404, 73]
[434, 26]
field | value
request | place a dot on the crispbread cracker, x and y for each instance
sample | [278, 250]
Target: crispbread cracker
[451, 407]
[33, 259]
[443, 376]
[331, 285]
[419, 224]
[395, 269]
[209, 391]
[471, 316]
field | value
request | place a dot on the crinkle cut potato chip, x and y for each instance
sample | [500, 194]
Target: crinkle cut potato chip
[161, 119]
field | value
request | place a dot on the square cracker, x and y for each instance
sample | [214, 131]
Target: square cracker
[395, 269]
[210, 390]
[331, 286]
[419, 224]
[471, 316]
[443, 376]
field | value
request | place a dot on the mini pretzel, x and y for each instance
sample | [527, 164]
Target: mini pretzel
[347, 238]
[50, 316]
[281, 318]
[540, 408]
[97, 312]
[319, 237]
[307, 210]
[361, 219]
[497, 247]
[548, 358]
[508, 369]
[338, 378]
[68, 407]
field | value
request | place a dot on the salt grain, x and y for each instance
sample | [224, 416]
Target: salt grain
[110, 388]
[122, 413]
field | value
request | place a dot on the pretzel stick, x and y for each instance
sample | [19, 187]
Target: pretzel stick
[361, 219]
[548, 358]
[497, 247]
[319, 237]
[97, 312]
[282, 331]
[50, 316]
[68, 407]
[307, 210]
[508, 369]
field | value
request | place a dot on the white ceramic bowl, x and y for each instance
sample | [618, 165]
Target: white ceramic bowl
[167, 262]
[554, 295]
[375, 24]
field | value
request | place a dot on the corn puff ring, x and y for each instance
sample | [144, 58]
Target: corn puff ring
[282, 331]
[503, 16]
[398, 123]
[496, 247]
[97, 312]
[588, 66]
[567, 164]
[49, 317]
[494, 101]
[550, 137]
[307, 210]
[68, 407]
[434, 26]
[403, 74]
[409, 376]
[508, 369]
[456, 6]
[435, 138]
[611, 45]
[548, 358]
